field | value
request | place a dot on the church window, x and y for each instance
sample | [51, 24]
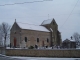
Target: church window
[15, 32]
[53, 23]
[37, 39]
[47, 40]
[25, 39]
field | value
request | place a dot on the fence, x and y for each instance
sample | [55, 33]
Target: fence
[44, 52]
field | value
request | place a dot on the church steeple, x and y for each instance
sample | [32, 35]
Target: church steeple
[15, 20]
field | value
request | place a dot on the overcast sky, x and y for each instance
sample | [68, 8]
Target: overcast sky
[35, 13]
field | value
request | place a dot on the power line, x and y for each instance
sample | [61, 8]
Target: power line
[25, 2]
[69, 14]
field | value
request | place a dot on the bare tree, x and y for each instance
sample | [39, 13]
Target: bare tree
[5, 30]
[76, 37]
[0, 37]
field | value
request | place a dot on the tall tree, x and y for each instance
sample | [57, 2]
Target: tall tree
[5, 30]
[0, 37]
[76, 37]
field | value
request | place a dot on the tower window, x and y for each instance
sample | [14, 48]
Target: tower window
[14, 32]
[47, 40]
[37, 39]
[25, 39]
[53, 23]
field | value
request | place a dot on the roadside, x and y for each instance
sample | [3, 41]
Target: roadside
[4, 57]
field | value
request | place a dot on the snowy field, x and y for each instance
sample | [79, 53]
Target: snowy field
[38, 58]
[43, 58]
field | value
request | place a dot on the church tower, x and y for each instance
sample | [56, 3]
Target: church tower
[52, 26]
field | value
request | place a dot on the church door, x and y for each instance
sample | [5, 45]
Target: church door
[14, 42]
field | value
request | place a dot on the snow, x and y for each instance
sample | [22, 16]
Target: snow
[51, 29]
[78, 48]
[23, 44]
[38, 58]
[32, 27]
[2, 55]
[47, 21]
[43, 58]
[16, 48]
[72, 40]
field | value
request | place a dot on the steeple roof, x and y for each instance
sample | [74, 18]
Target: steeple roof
[47, 21]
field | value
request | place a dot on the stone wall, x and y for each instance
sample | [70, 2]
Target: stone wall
[43, 53]
[31, 38]
[2, 50]
[33, 35]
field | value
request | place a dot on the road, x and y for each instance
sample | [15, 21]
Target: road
[34, 58]
[7, 58]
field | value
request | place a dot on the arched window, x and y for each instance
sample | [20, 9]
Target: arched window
[25, 39]
[37, 39]
[47, 40]
[14, 32]
[53, 22]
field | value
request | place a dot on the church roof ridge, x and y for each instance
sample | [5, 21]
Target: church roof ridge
[32, 27]
[27, 23]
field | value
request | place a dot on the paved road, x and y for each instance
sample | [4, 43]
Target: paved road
[7, 58]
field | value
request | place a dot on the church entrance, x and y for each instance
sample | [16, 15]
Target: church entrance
[14, 42]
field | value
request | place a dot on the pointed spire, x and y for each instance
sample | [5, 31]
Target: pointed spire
[53, 19]
[15, 20]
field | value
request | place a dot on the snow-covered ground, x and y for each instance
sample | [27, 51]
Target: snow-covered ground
[39, 58]
[2, 55]
[43, 58]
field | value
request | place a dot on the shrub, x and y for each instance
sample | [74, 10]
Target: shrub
[31, 47]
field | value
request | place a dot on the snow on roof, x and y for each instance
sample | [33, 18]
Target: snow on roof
[72, 40]
[47, 21]
[51, 29]
[32, 27]
[69, 40]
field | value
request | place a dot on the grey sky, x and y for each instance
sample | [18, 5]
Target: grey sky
[35, 13]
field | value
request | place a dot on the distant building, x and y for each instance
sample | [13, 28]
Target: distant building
[69, 43]
[26, 35]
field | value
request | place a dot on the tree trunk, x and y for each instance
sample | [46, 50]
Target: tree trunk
[5, 41]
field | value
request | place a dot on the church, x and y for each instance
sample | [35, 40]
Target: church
[26, 35]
